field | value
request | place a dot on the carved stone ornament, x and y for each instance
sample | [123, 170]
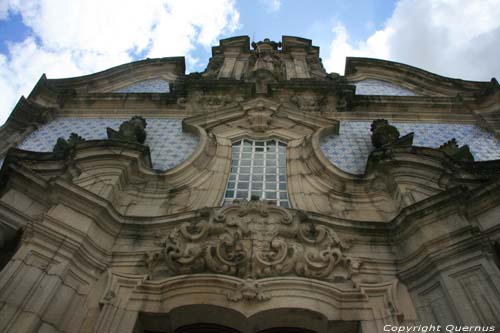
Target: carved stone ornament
[309, 103]
[316, 69]
[260, 118]
[213, 67]
[217, 101]
[64, 146]
[133, 130]
[452, 149]
[252, 239]
[248, 290]
[383, 134]
[266, 58]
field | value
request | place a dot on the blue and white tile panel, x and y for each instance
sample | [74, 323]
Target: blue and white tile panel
[378, 87]
[350, 149]
[169, 145]
[146, 86]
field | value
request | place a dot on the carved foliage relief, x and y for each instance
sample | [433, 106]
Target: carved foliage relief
[251, 240]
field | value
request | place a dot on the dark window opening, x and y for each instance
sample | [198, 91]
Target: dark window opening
[9, 248]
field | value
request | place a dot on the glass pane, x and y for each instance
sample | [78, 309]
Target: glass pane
[257, 194]
[270, 195]
[257, 178]
[270, 178]
[258, 156]
[258, 168]
[241, 194]
[256, 186]
[270, 170]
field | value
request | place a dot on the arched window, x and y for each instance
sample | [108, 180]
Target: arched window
[258, 169]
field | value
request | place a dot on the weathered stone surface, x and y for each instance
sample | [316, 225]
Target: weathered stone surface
[133, 130]
[105, 243]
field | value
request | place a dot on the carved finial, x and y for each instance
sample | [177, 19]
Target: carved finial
[133, 130]
[266, 45]
[64, 146]
[458, 153]
[382, 133]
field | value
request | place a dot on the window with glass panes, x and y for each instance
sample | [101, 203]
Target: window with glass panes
[258, 169]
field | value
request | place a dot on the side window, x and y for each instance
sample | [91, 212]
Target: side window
[8, 248]
[258, 169]
[496, 254]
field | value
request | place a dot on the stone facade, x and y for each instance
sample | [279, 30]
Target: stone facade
[114, 210]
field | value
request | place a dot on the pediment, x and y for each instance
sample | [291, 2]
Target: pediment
[262, 117]
[115, 78]
[405, 80]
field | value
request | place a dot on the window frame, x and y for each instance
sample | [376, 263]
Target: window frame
[258, 168]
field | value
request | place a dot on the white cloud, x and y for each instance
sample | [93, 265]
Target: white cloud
[456, 38]
[271, 5]
[73, 38]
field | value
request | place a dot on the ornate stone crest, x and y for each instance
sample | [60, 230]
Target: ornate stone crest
[309, 103]
[133, 130]
[251, 240]
[248, 290]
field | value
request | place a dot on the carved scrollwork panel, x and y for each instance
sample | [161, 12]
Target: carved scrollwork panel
[252, 240]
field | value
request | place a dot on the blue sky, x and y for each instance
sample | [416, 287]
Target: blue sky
[455, 38]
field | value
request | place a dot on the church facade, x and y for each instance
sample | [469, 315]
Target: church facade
[261, 195]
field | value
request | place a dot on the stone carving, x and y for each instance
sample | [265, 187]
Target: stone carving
[316, 69]
[133, 130]
[252, 240]
[260, 118]
[248, 290]
[452, 149]
[64, 146]
[215, 101]
[266, 58]
[213, 67]
[309, 103]
[383, 134]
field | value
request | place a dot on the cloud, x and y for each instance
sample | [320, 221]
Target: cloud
[451, 38]
[71, 38]
[271, 5]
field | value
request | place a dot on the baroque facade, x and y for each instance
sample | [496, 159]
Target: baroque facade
[261, 195]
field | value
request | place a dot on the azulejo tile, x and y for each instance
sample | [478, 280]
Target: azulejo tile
[169, 145]
[146, 86]
[378, 87]
[350, 149]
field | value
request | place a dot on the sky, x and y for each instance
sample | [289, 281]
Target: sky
[63, 38]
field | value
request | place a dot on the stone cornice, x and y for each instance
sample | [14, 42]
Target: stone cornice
[410, 77]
